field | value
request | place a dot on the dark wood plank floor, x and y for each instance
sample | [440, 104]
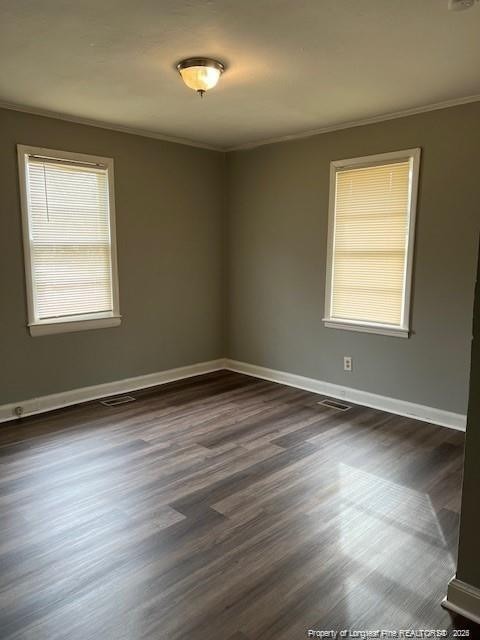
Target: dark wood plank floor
[224, 507]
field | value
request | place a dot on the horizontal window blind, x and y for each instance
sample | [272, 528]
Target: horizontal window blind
[70, 238]
[370, 243]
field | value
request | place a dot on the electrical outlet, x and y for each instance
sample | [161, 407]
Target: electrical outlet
[347, 363]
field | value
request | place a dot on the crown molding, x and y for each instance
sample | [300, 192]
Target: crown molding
[248, 145]
[357, 123]
[106, 125]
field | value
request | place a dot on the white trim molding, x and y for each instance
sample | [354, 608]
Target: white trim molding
[366, 327]
[63, 324]
[109, 126]
[463, 599]
[384, 403]
[42, 404]
[402, 329]
[350, 124]
[95, 321]
[146, 133]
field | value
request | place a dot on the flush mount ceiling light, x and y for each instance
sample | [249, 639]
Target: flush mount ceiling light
[200, 74]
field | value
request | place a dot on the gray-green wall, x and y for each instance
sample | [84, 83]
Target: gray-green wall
[468, 569]
[278, 202]
[169, 234]
[225, 256]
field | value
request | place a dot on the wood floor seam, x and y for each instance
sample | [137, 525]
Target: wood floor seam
[224, 507]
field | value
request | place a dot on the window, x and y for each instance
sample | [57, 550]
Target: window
[69, 240]
[370, 242]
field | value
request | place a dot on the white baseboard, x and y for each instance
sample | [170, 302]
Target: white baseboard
[393, 405]
[464, 599]
[84, 394]
[41, 404]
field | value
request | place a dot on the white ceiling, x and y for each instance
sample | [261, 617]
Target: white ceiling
[293, 65]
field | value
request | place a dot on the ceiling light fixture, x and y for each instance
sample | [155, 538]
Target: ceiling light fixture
[200, 74]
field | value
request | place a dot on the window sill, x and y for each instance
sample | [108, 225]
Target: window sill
[65, 325]
[381, 329]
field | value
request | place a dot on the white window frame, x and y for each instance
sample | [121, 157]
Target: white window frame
[66, 324]
[402, 330]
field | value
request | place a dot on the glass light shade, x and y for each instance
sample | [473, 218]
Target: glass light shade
[200, 74]
[200, 78]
